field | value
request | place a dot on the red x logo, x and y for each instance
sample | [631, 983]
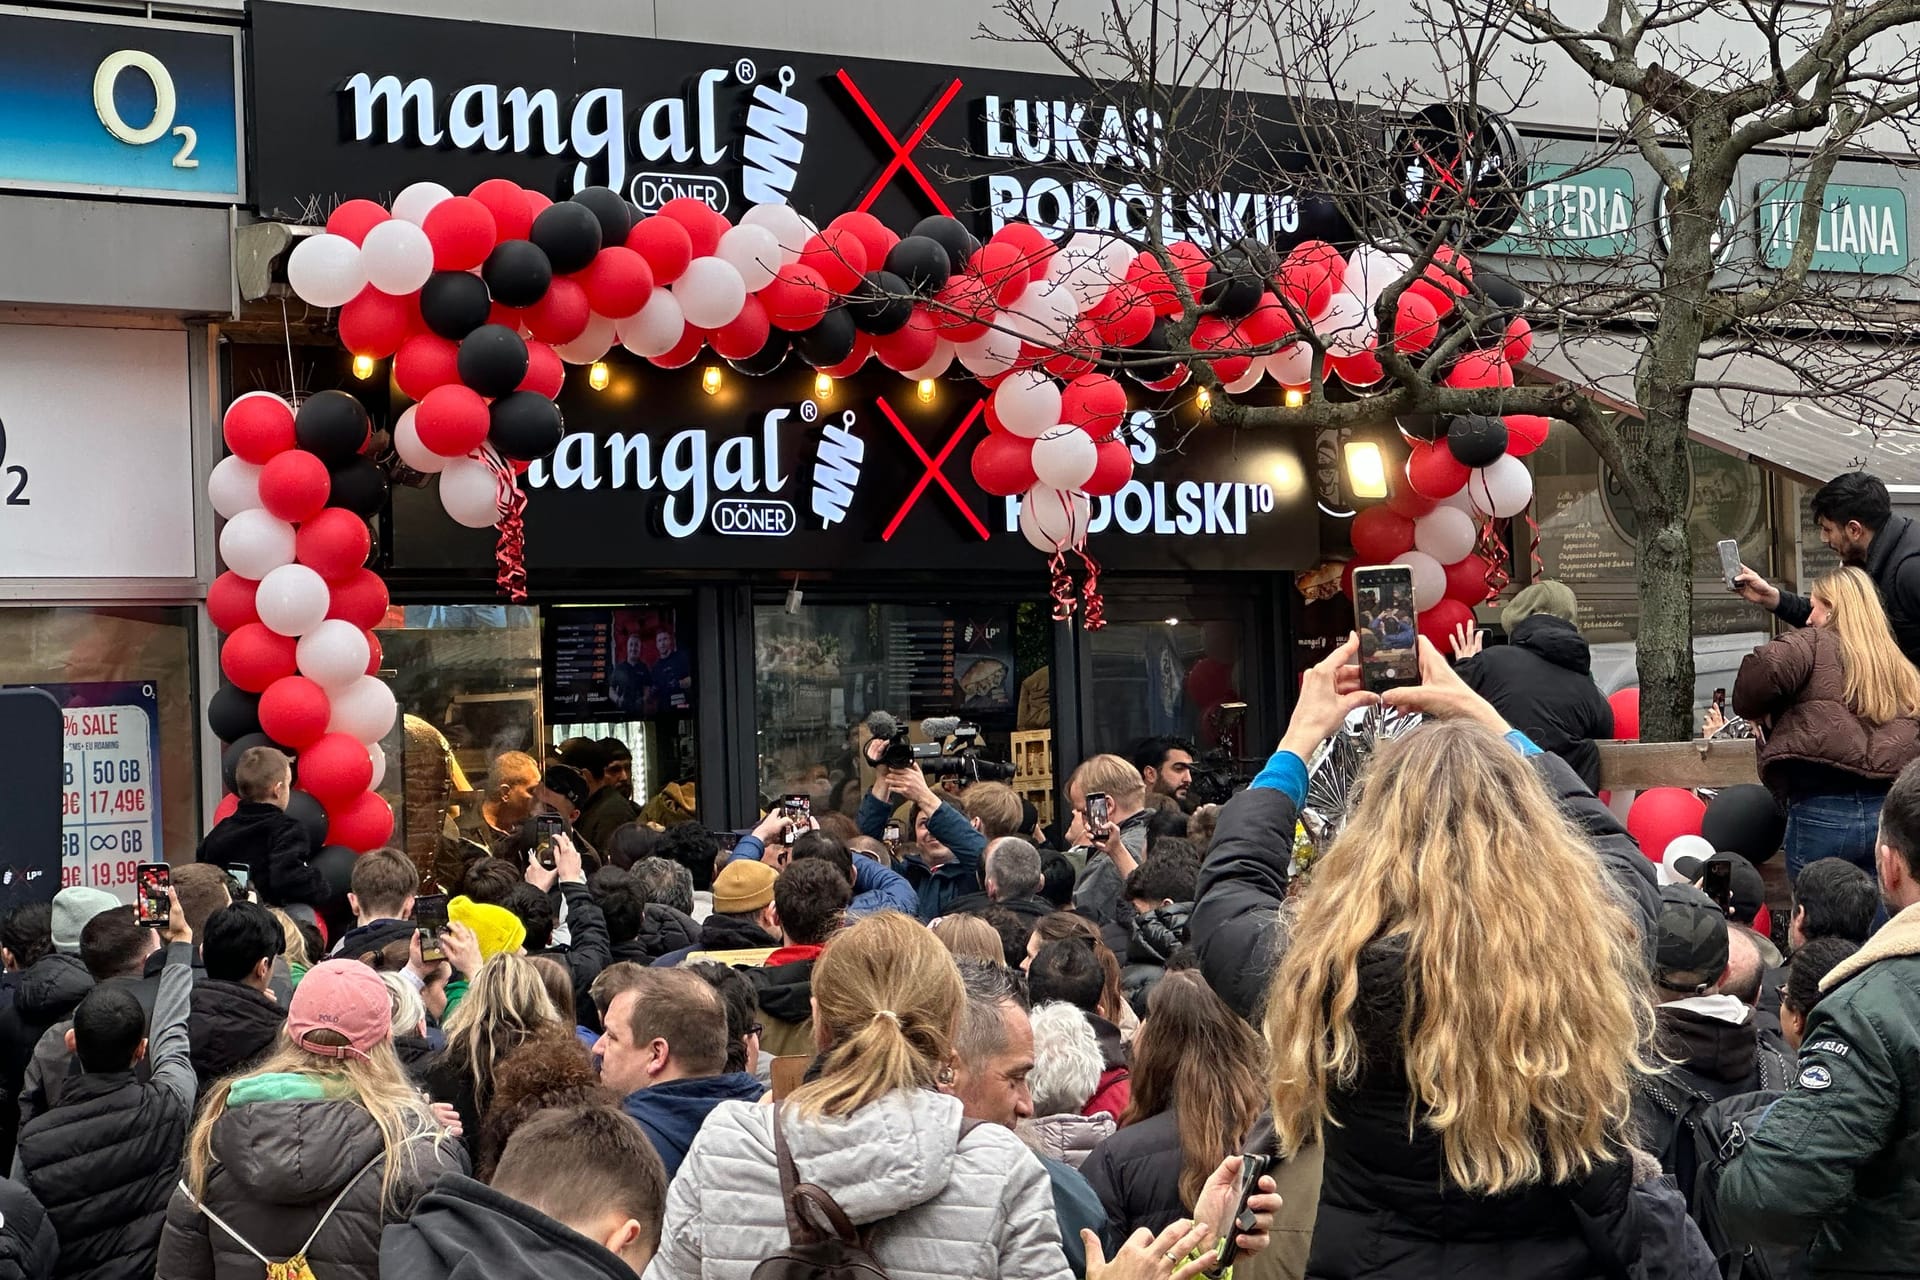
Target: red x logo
[933, 470]
[901, 158]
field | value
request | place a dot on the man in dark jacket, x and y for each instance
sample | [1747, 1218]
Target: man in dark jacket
[114, 947]
[380, 893]
[578, 1192]
[1013, 881]
[104, 1161]
[665, 1050]
[1541, 680]
[264, 837]
[1161, 890]
[1856, 519]
[1836, 1162]
[47, 985]
[949, 841]
[585, 952]
[810, 899]
[235, 1020]
[607, 807]
[638, 931]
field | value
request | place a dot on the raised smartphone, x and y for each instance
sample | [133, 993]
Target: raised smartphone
[430, 917]
[1388, 625]
[151, 882]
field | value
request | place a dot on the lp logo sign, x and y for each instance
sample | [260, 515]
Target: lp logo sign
[107, 75]
[15, 477]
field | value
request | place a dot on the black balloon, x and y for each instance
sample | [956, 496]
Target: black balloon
[332, 426]
[767, 358]
[311, 816]
[1422, 426]
[335, 864]
[1476, 441]
[493, 360]
[230, 758]
[569, 234]
[1746, 820]
[454, 303]
[360, 486]
[517, 273]
[879, 304]
[233, 713]
[524, 425]
[612, 211]
[1233, 285]
[1139, 359]
[922, 262]
[951, 234]
[830, 341]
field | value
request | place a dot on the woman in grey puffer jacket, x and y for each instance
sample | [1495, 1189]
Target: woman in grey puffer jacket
[937, 1198]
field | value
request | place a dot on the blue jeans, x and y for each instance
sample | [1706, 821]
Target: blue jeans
[1843, 825]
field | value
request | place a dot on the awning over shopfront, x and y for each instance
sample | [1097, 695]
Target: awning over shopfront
[1811, 410]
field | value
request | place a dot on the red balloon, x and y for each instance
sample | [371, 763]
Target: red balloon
[228, 806]
[563, 314]
[258, 426]
[1001, 266]
[375, 323]
[1171, 382]
[1094, 402]
[1626, 714]
[911, 346]
[1450, 270]
[425, 361]
[1437, 624]
[512, 211]
[874, 235]
[863, 345]
[1433, 471]
[963, 309]
[1034, 246]
[796, 298]
[1346, 578]
[1003, 464]
[746, 333]
[334, 768]
[1267, 322]
[545, 372]
[1359, 370]
[665, 244]
[1380, 535]
[618, 282]
[294, 486]
[1307, 277]
[839, 256]
[230, 602]
[704, 226]
[1154, 282]
[1408, 503]
[333, 543]
[1081, 348]
[462, 232]
[452, 420]
[294, 711]
[1416, 324]
[1439, 299]
[1526, 432]
[1131, 319]
[1519, 340]
[536, 202]
[1467, 581]
[363, 825]
[513, 318]
[353, 219]
[1661, 816]
[1480, 369]
[253, 657]
[359, 597]
[691, 340]
[1112, 469]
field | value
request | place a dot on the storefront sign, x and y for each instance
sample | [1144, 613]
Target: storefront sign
[96, 453]
[120, 106]
[349, 103]
[1575, 213]
[1862, 229]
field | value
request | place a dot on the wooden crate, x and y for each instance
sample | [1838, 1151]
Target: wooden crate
[1032, 756]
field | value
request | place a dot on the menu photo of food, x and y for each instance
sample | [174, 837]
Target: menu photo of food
[983, 664]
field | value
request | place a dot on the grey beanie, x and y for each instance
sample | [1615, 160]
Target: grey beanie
[1555, 599]
[72, 908]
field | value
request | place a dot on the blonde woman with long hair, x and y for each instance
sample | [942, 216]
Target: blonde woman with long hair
[1837, 700]
[505, 1006]
[312, 1152]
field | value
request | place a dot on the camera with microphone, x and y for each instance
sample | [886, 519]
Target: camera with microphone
[954, 749]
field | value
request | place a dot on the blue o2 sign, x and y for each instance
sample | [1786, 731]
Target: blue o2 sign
[101, 105]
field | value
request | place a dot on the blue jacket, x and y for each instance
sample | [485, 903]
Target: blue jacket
[875, 888]
[672, 1113]
[950, 827]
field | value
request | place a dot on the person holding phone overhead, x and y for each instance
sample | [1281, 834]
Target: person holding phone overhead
[1838, 702]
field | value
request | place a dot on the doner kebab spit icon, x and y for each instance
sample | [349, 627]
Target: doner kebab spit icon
[776, 137]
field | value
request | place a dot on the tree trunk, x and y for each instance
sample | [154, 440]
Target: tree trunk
[1665, 579]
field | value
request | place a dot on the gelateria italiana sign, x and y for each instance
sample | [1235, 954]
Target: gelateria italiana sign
[1862, 229]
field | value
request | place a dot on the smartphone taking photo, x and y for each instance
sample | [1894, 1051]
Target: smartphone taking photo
[1387, 623]
[151, 881]
[799, 811]
[1729, 561]
[1240, 1219]
[430, 917]
[1099, 815]
[545, 827]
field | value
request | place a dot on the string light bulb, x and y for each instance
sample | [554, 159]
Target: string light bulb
[598, 375]
[363, 367]
[710, 379]
[1203, 400]
[822, 386]
[1296, 396]
[925, 390]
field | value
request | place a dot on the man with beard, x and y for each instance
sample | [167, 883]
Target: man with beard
[1167, 766]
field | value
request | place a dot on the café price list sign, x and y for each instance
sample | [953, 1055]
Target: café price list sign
[110, 809]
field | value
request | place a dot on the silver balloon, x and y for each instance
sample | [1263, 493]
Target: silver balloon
[1336, 768]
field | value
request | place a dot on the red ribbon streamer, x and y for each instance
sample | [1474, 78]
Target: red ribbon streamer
[1064, 601]
[1095, 615]
[510, 547]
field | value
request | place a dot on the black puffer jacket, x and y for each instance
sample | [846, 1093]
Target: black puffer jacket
[662, 929]
[28, 1246]
[1136, 1174]
[45, 994]
[1542, 682]
[465, 1230]
[1150, 945]
[231, 1027]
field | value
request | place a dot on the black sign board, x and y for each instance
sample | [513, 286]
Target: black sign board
[32, 756]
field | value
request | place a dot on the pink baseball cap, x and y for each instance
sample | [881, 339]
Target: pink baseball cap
[347, 998]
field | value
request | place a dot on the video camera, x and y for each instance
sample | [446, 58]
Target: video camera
[954, 752]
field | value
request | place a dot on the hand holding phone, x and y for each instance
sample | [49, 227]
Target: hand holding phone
[1387, 623]
[430, 917]
[1099, 815]
[799, 811]
[1239, 1218]
[1730, 566]
[152, 905]
[546, 826]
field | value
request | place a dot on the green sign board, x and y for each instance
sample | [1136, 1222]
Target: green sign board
[1571, 212]
[1862, 229]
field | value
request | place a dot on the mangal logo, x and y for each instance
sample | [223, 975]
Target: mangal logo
[679, 145]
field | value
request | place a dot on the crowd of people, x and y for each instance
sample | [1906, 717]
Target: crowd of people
[1480, 1036]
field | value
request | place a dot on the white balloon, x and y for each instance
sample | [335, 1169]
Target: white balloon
[1028, 404]
[1053, 519]
[1292, 365]
[1429, 579]
[470, 493]
[790, 231]
[378, 755]
[1683, 847]
[1461, 500]
[1445, 533]
[255, 543]
[992, 352]
[657, 327]
[937, 364]
[1116, 255]
[398, 257]
[1371, 271]
[593, 342]
[1248, 380]
[326, 270]
[1044, 313]
[1065, 457]
[417, 201]
[711, 293]
[292, 600]
[333, 654]
[406, 443]
[753, 251]
[364, 709]
[234, 486]
[1347, 326]
[1504, 487]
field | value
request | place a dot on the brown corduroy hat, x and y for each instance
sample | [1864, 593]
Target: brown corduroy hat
[743, 885]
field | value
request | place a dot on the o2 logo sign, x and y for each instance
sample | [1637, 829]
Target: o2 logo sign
[165, 105]
[13, 480]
